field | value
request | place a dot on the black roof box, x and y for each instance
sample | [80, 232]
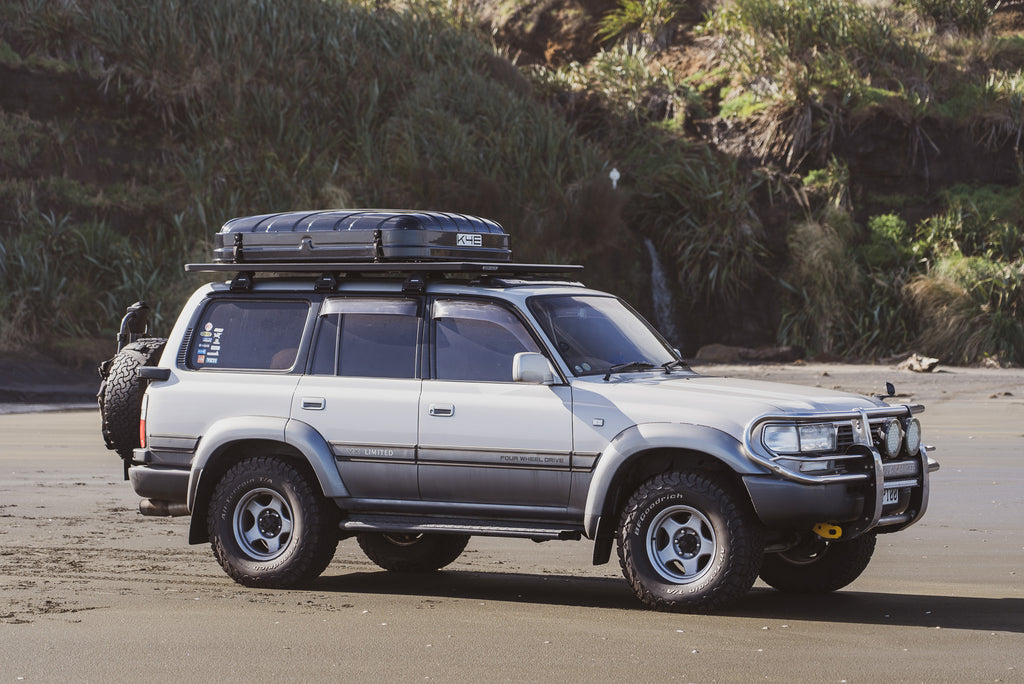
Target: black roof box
[364, 235]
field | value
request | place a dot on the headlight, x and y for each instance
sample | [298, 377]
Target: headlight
[817, 437]
[793, 439]
[781, 439]
[892, 438]
[913, 437]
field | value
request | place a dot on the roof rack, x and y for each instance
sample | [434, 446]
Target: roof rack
[476, 267]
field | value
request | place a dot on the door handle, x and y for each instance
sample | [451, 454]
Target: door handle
[442, 410]
[313, 403]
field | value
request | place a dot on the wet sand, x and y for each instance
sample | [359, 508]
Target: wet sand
[91, 590]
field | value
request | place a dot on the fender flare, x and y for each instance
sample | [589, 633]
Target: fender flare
[294, 433]
[646, 436]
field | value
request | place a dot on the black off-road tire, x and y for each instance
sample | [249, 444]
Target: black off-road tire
[120, 394]
[412, 552]
[270, 526]
[689, 542]
[818, 566]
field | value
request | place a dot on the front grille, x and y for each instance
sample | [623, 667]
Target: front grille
[844, 437]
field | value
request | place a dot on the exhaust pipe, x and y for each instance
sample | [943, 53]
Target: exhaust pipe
[159, 507]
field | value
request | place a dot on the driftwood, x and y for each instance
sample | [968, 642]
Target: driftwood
[919, 364]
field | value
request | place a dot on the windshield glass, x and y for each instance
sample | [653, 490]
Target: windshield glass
[595, 334]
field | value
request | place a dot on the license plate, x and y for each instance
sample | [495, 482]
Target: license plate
[890, 496]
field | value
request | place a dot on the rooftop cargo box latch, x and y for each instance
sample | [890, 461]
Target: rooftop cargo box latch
[238, 252]
[378, 245]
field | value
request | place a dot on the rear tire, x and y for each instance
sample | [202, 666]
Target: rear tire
[818, 566]
[270, 526]
[687, 542]
[120, 394]
[412, 552]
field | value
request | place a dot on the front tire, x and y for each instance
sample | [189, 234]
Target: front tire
[269, 525]
[818, 566]
[688, 543]
[412, 552]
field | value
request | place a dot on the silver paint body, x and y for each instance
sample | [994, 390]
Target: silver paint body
[481, 451]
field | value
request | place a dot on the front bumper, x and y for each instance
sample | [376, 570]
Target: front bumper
[895, 497]
[873, 493]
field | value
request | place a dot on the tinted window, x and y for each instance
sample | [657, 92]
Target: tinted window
[595, 333]
[477, 341]
[261, 335]
[372, 337]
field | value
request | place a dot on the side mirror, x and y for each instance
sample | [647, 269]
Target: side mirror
[533, 368]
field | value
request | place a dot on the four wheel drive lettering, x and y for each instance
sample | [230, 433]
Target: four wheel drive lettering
[325, 396]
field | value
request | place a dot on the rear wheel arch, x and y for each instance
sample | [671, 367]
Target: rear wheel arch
[220, 461]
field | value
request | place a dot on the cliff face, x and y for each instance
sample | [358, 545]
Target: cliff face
[122, 159]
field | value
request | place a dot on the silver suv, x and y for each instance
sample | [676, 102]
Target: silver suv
[416, 399]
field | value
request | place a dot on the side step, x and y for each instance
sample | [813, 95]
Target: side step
[481, 528]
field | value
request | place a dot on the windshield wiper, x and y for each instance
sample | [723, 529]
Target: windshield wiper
[674, 363]
[627, 367]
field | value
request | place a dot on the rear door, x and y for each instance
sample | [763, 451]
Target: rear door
[362, 392]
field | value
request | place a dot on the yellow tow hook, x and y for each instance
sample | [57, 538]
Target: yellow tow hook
[827, 530]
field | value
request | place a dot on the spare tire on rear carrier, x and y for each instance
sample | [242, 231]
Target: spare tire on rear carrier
[120, 394]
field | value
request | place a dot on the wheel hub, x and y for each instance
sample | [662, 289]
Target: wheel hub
[687, 544]
[681, 544]
[269, 523]
[263, 524]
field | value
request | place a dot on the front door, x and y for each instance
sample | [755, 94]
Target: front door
[484, 440]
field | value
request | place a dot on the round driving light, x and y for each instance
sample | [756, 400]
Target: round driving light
[913, 436]
[892, 438]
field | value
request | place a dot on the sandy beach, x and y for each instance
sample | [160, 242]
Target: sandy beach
[94, 591]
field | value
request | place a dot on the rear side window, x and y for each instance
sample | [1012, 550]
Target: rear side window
[251, 335]
[367, 337]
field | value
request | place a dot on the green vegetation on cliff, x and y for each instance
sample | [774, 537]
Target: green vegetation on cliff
[838, 175]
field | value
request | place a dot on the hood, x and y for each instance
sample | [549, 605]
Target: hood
[727, 404]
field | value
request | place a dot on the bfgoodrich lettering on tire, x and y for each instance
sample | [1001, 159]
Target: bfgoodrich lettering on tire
[269, 525]
[687, 542]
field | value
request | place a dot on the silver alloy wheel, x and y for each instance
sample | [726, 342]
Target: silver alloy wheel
[681, 544]
[262, 522]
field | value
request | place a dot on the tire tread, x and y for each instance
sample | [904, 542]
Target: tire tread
[744, 533]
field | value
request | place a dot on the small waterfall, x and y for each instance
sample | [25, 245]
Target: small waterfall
[662, 297]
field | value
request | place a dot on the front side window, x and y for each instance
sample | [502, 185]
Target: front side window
[373, 337]
[594, 334]
[247, 334]
[477, 340]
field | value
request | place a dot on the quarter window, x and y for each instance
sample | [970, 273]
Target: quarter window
[253, 335]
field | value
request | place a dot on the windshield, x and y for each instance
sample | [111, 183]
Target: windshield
[597, 335]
